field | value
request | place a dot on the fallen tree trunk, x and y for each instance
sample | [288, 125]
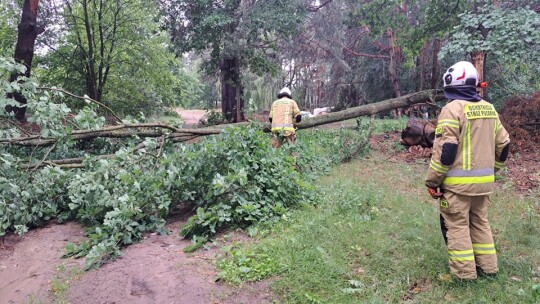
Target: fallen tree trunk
[374, 108]
[119, 131]
[179, 135]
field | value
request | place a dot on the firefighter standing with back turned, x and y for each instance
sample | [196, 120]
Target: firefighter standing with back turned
[284, 114]
[470, 146]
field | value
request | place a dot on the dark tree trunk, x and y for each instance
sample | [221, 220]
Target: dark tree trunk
[393, 68]
[24, 52]
[435, 63]
[91, 75]
[232, 103]
[421, 65]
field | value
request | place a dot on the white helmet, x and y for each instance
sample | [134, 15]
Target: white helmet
[461, 74]
[285, 91]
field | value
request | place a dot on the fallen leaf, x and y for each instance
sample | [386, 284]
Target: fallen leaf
[514, 278]
[445, 277]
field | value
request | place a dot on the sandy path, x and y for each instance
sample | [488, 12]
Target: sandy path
[27, 263]
[153, 271]
[190, 117]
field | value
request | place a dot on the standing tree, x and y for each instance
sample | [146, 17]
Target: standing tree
[510, 35]
[114, 52]
[400, 31]
[98, 27]
[28, 30]
[235, 35]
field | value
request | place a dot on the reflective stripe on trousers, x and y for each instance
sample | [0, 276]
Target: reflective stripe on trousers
[484, 249]
[461, 255]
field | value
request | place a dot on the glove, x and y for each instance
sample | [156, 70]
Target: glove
[435, 193]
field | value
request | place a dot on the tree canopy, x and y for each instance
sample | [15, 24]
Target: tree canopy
[147, 56]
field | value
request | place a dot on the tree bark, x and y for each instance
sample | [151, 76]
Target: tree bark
[478, 60]
[421, 65]
[232, 103]
[24, 52]
[393, 67]
[118, 131]
[435, 63]
[413, 133]
[91, 77]
[374, 108]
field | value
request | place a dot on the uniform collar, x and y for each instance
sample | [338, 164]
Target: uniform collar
[462, 93]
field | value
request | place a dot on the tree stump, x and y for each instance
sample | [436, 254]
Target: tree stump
[419, 132]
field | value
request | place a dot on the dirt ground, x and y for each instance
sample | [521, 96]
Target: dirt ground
[153, 271]
[190, 117]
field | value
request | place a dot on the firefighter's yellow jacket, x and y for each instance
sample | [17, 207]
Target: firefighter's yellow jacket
[470, 146]
[283, 113]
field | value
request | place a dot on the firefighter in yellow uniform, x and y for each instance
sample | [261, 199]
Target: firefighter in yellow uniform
[283, 116]
[470, 146]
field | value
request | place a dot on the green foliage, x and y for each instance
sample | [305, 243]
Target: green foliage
[389, 125]
[412, 22]
[235, 180]
[232, 29]
[246, 266]
[212, 118]
[510, 38]
[339, 145]
[8, 29]
[509, 35]
[133, 67]
[244, 181]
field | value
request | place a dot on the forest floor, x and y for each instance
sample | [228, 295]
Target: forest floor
[156, 270]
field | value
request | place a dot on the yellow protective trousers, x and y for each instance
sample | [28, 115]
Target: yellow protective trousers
[278, 139]
[465, 226]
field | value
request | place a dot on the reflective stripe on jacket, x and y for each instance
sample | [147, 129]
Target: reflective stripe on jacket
[283, 115]
[476, 129]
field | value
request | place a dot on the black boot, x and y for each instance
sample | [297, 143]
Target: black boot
[480, 272]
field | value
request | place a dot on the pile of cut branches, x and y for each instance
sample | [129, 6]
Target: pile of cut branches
[521, 117]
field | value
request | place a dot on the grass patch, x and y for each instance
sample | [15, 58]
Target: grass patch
[243, 265]
[61, 281]
[59, 285]
[375, 238]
